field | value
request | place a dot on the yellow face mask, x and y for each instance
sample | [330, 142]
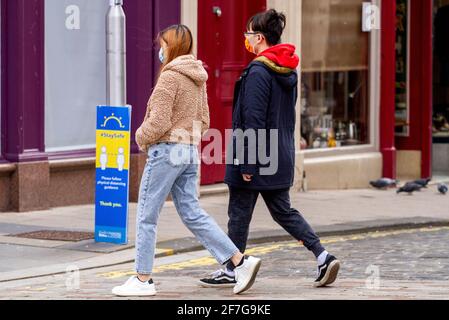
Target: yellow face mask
[249, 47]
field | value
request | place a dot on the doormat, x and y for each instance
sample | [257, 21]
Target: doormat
[70, 236]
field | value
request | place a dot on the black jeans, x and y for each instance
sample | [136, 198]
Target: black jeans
[241, 208]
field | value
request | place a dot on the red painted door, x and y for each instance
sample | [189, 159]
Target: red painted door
[221, 24]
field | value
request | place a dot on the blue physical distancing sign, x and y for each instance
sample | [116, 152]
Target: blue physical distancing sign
[112, 174]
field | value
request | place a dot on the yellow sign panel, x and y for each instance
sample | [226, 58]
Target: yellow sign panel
[112, 149]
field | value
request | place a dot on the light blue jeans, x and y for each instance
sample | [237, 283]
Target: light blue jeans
[173, 168]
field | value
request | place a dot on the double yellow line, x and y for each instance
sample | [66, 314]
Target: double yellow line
[266, 249]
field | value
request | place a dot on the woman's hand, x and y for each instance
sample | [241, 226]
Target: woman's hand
[247, 177]
[139, 141]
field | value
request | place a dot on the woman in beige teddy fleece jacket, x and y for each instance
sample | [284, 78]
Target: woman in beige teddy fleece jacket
[176, 118]
[177, 105]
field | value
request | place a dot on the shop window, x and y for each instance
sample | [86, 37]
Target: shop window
[440, 126]
[75, 74]
[402, 68]
[335, 73]
[1, 154]
[440, 123]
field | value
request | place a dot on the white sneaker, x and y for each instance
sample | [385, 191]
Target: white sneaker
[135, 288]
[245, 275]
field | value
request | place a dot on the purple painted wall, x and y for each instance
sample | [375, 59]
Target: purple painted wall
[23, 103]
[22, 38]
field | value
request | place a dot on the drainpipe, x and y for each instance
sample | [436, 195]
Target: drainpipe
[116, 54]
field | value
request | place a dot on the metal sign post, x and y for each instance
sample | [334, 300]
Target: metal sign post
[116, 54]
[113, 137]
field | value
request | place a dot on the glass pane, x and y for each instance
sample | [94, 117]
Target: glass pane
[332, 39]
[75, 45]
[0, 84]
[335, 73]
[402, 41]
[441, 73]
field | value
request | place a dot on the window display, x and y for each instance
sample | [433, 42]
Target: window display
[335, 72]
[0, 89]
[441, 71]
[402, 40]
[75, 72]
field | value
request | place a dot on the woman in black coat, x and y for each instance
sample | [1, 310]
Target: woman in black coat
[262, 156]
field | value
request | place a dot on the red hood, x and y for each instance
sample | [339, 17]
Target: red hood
[283, 55]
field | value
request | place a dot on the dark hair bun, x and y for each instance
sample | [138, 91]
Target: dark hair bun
[276, 18]
[270, 23]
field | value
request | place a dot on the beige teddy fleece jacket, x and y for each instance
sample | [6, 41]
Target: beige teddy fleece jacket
[177, 110]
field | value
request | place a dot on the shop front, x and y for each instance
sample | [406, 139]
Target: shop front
[337, 113]
[440, 112]
[75, 83]
[413, 85]
[54, 78]
[365, 107]
[339, 102]
[374, 104]
[419, 87]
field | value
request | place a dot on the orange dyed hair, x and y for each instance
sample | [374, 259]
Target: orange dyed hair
[179, 42]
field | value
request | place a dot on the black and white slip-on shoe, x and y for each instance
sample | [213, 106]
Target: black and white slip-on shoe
[327, 272]
[218, 279]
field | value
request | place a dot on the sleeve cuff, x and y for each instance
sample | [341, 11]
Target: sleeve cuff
[250, 169]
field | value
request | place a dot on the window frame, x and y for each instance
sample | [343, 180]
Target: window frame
[407, 126]
[374, 104]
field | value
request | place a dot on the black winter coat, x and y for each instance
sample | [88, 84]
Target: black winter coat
[263, 99]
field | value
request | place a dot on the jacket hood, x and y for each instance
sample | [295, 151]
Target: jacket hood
[286, 77]
[283, 55]
[190, 67]
[288, 80]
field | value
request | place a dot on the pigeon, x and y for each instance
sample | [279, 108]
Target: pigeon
[413, 183]
[409, 188]
[384, 183]
[423, 182]
[442, 188]
[392, 182]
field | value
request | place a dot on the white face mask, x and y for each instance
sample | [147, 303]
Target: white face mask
[161, 55]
